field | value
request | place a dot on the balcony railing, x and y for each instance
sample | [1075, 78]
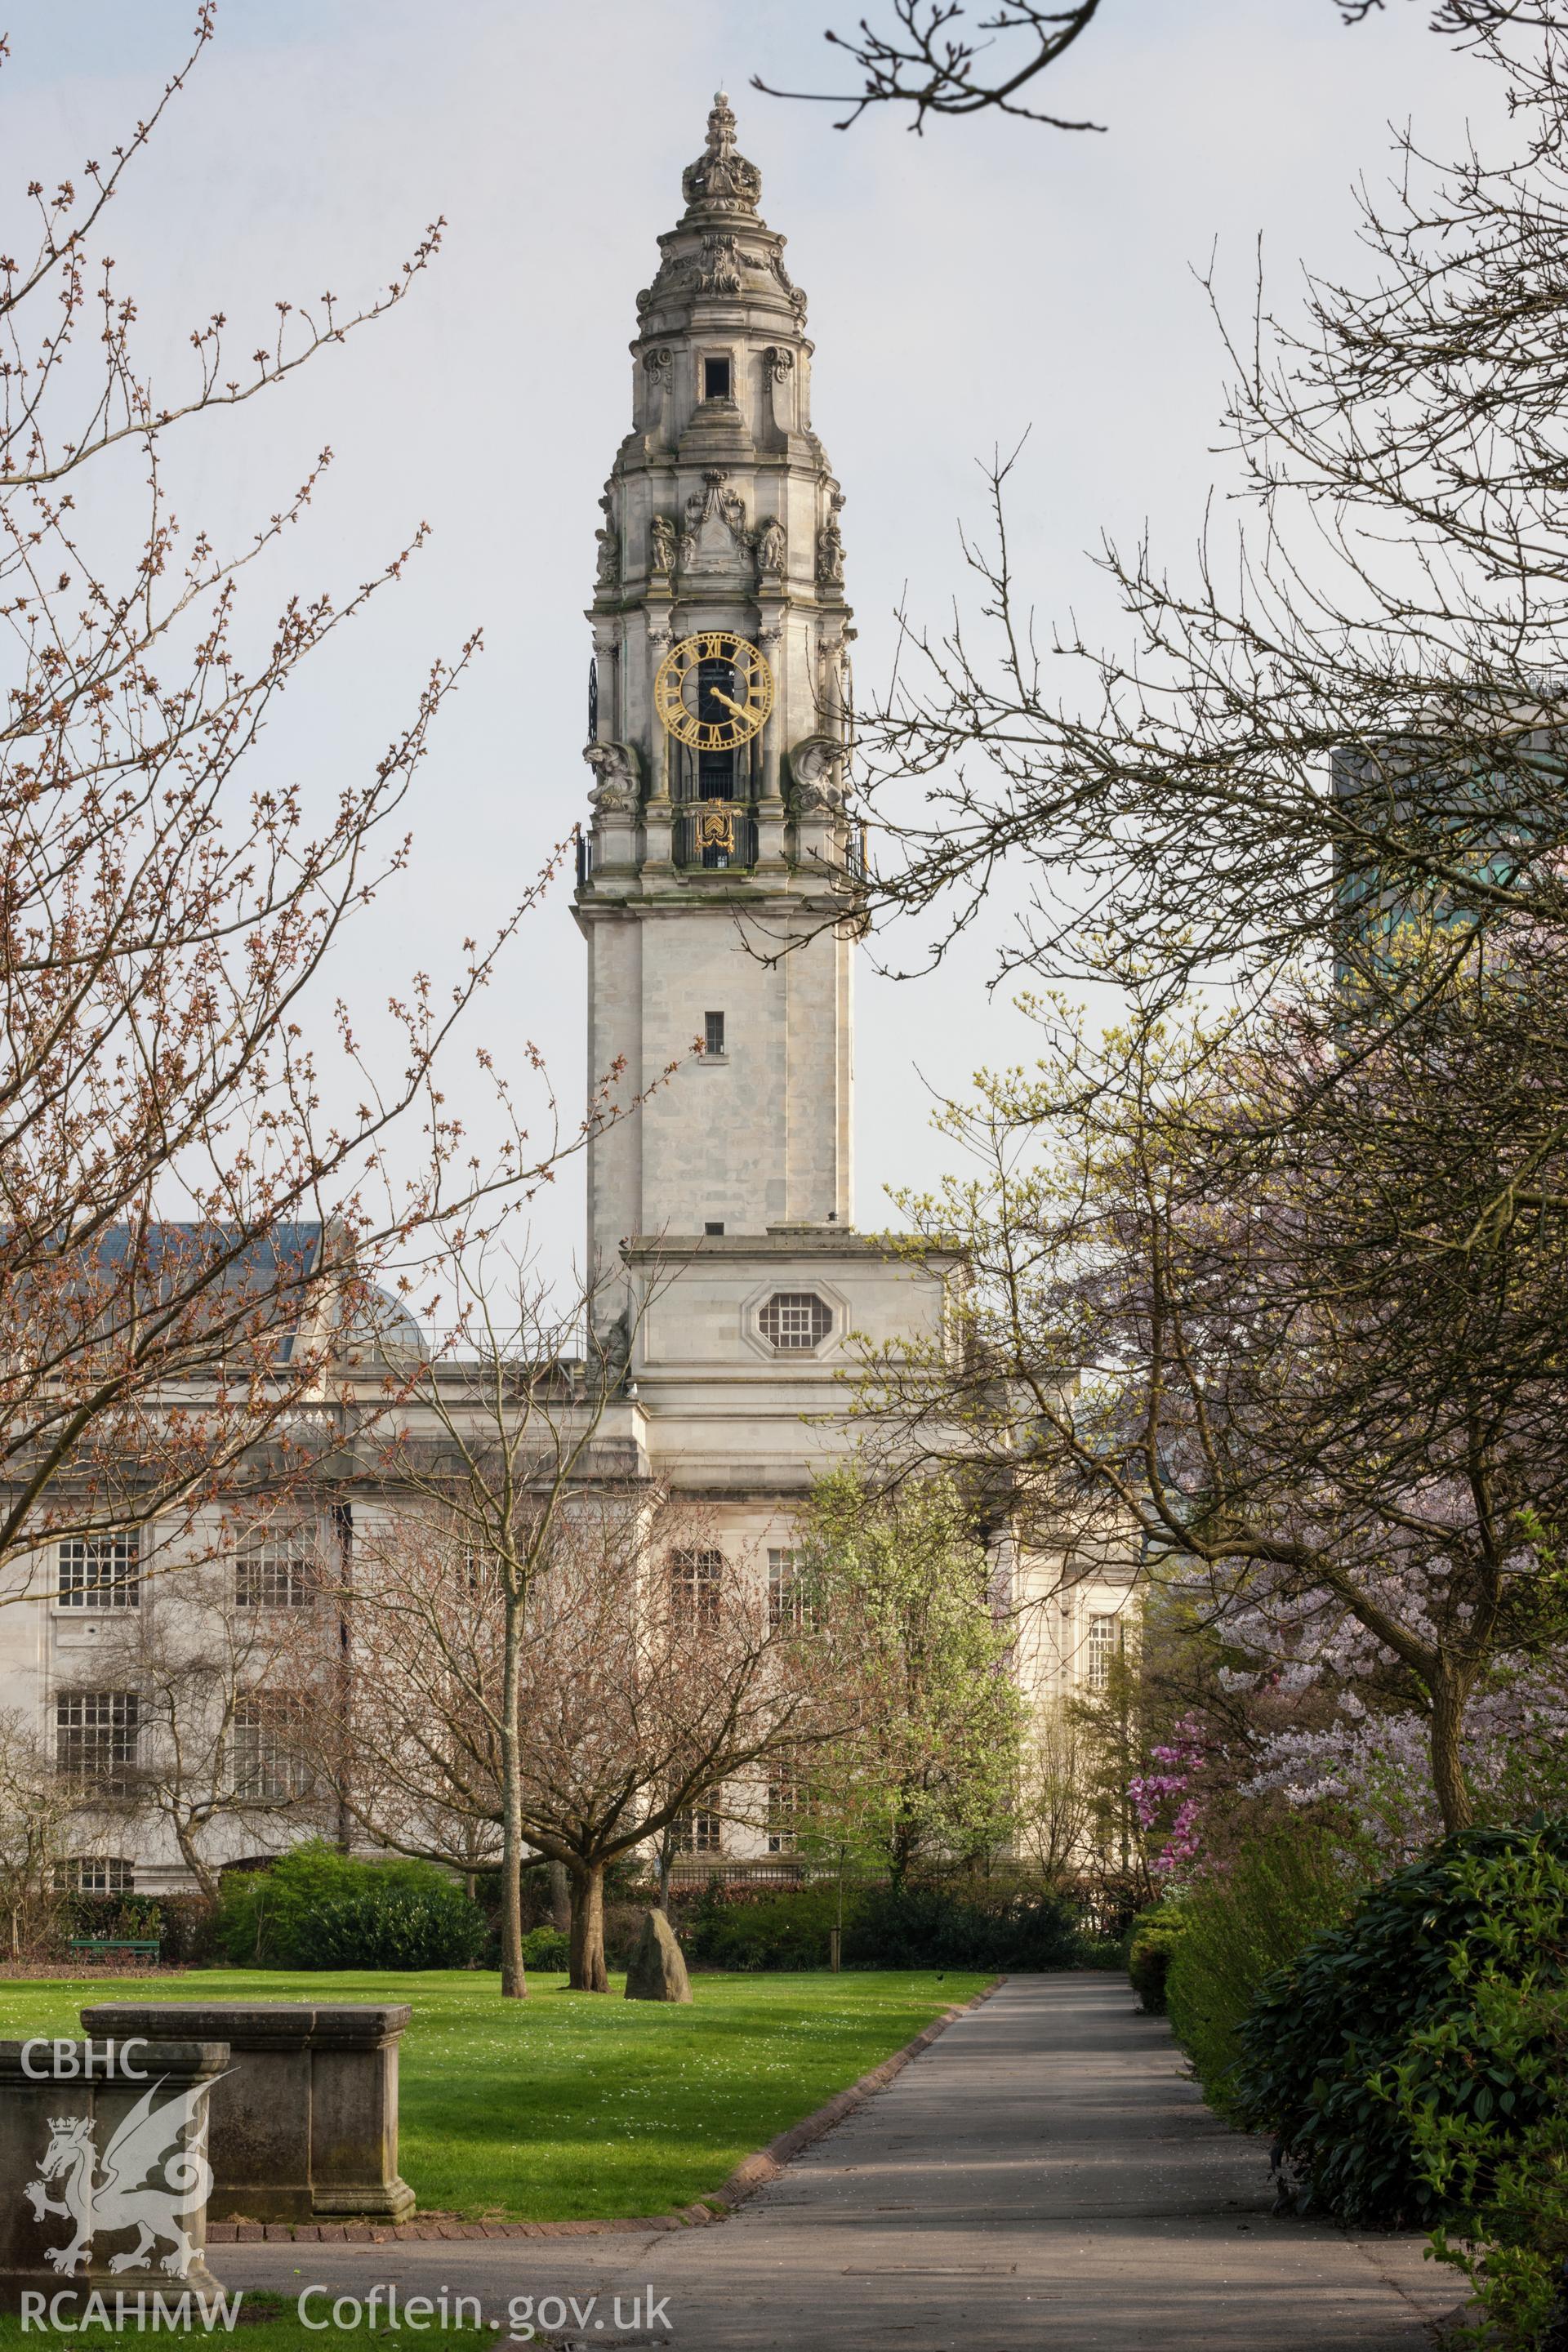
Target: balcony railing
[711, 836]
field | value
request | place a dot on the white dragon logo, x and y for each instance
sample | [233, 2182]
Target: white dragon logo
[155, 2168]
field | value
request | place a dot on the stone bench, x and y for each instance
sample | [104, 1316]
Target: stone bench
[304, 2127]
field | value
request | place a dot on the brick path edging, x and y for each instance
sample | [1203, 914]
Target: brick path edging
[752, 2173]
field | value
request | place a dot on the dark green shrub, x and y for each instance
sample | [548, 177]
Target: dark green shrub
[190, 1929]
[1155, 1935]
[1107, 1952]
[130, 1918]
[546, 1947]
[1324, 2044]
[787, 1929]
[1484, 2093]
[317, 1908]
[398, 1928]
[1288, 1887]
[939, 1928]
[1503, 2175]
[933, 1926]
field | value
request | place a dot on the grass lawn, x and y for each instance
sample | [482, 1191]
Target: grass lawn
[264, 2323]
[575, 2106]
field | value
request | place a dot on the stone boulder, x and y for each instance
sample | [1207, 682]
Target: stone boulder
[658, 1971]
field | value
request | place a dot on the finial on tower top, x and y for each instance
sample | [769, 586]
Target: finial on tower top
[722, 181]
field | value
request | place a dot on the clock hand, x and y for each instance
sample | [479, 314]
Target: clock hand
[739, 709]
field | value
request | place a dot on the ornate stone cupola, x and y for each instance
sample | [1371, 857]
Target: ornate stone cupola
[720, 515]
[716, 876]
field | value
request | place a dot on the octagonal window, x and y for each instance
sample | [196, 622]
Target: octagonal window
[793, 1319]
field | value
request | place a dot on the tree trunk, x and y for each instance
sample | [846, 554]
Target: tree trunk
[513, 1981]
[1454, 1800]
[208, 1880]
[343, 1524]
[589, 1973]
[559, 1898]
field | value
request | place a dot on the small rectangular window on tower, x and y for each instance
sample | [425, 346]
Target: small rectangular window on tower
[715, 379]
[712, 1033]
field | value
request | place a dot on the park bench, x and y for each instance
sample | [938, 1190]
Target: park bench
[140, 1948]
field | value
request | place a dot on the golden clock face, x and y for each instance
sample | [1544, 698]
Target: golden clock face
[714, 690]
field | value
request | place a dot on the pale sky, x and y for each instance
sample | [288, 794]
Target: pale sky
[989, 277]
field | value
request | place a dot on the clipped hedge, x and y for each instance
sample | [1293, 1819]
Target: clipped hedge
[317, 1908]
[1327, 2046]
[932, 1926]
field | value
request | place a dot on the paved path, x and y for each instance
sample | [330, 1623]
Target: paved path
[1044, 2175]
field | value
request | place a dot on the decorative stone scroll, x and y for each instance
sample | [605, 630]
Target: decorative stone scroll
[304, 2124]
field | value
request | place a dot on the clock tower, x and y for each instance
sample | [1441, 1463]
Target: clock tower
[717, 876]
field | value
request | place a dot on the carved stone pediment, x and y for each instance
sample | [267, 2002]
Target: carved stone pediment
[715, 537]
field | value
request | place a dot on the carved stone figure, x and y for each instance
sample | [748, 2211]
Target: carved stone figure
[779, 361]
[830, 554]
[607, 568]
[721, 180]
[817, 766]
[720, 270]
[836, 696]
[733, 507]
[613, 792]
[661, 544]
[771, 548]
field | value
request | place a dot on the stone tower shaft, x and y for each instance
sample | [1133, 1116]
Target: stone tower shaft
[717, 885]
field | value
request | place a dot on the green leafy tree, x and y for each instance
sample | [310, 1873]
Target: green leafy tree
[899, 1581]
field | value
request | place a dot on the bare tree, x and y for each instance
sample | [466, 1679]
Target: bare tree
[225, 1663]
[941, 59]
[1280, 1328]
[500, 1443]
[40, 1832]
[186, 1232]
[1361, 693]
[580, 1708]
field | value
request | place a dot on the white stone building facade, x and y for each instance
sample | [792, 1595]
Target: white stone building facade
[717, 898]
